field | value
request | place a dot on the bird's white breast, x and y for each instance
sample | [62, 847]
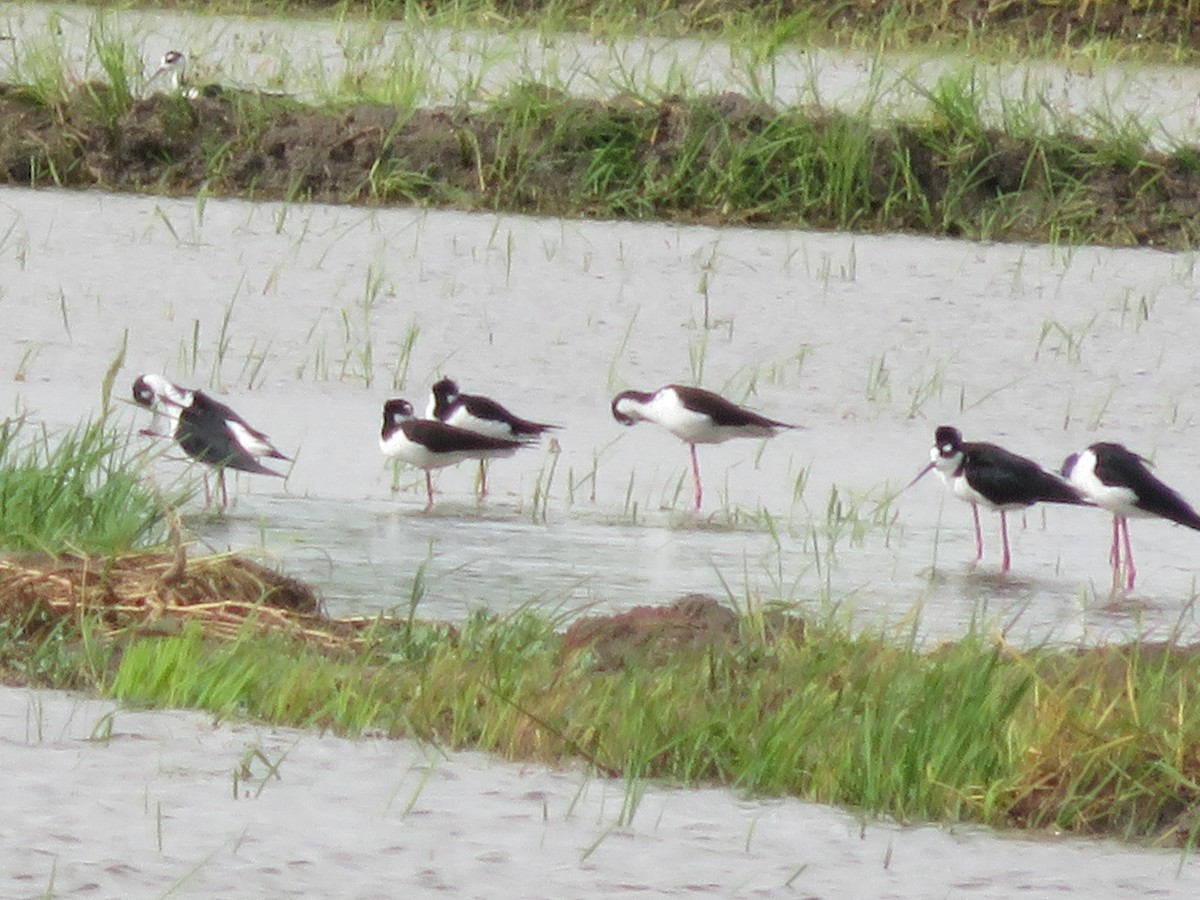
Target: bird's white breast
[1114, 498]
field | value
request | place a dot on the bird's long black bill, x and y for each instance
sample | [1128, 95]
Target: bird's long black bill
[925, 471]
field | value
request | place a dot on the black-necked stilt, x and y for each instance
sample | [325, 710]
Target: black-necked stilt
[695, 416]
[174, 67]
[429, 444]
[483, 415]
[1117, 479]
[208, 431]
[988, 475]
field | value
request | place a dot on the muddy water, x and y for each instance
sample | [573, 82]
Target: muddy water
[314, 59]
[122, 803]
[307, 318]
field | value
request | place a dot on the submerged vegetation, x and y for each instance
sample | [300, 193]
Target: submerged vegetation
[1086, 740]
[1092, 741]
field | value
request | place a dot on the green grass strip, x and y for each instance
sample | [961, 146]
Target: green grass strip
[1102, 741]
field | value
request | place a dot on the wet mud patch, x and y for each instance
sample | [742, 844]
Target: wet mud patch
[717, 160]
[653, 635]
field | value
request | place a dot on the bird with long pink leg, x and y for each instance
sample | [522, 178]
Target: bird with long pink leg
[695, 416]
[987, 475]
[1120, 481]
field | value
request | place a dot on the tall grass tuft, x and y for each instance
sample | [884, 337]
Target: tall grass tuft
[118, 58]
[78, 491]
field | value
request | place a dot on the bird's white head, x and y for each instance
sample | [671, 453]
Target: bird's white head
[174, 66]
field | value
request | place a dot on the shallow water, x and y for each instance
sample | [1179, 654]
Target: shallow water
[868, 342]
[119, 803]
[317, 58]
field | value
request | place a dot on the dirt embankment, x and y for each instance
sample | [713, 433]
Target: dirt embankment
[717, 160]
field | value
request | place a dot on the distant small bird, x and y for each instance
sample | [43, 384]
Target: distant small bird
[695, 416]
[208, 431]
[430, 444]
[174, 66]
[482, 415]
[988, 475]
[1119, 480]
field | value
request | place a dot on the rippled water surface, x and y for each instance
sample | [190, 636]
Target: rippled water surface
[120, 803]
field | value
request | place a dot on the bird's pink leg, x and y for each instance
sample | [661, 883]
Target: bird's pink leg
[1007, 561]
[978, 534]
[696, 476]
[1130, 571]
[224, 490]
[482, 478]
[428, 490]
[1114, 554]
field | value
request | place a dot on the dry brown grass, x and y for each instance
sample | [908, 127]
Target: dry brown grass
[159, 592]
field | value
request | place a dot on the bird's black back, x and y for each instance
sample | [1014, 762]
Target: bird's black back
[442, 438]
[204, 435]
[1118, 466]
[1007, 479]
[486, 408]
[724, 413]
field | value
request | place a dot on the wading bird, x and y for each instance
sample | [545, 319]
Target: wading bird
[208, 431]
[483, 415]
[986, 475]
[174, 67]
[695, 416]
[1119, 480]
[429, 444]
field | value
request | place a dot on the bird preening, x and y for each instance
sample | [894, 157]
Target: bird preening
[207, 430]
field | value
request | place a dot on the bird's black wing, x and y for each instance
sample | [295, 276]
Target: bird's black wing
[1007, 479]
[442, 438]
[486, 408]
[1118, 466]
[723, 412]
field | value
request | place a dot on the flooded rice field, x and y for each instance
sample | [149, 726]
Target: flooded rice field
[396, 62]
[306, 318]
[173, 805]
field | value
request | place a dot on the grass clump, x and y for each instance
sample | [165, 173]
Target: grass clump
[75, 491]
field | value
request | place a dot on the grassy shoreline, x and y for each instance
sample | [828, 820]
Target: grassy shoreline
[966, 163]
[720, 161]
[1098, 741]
